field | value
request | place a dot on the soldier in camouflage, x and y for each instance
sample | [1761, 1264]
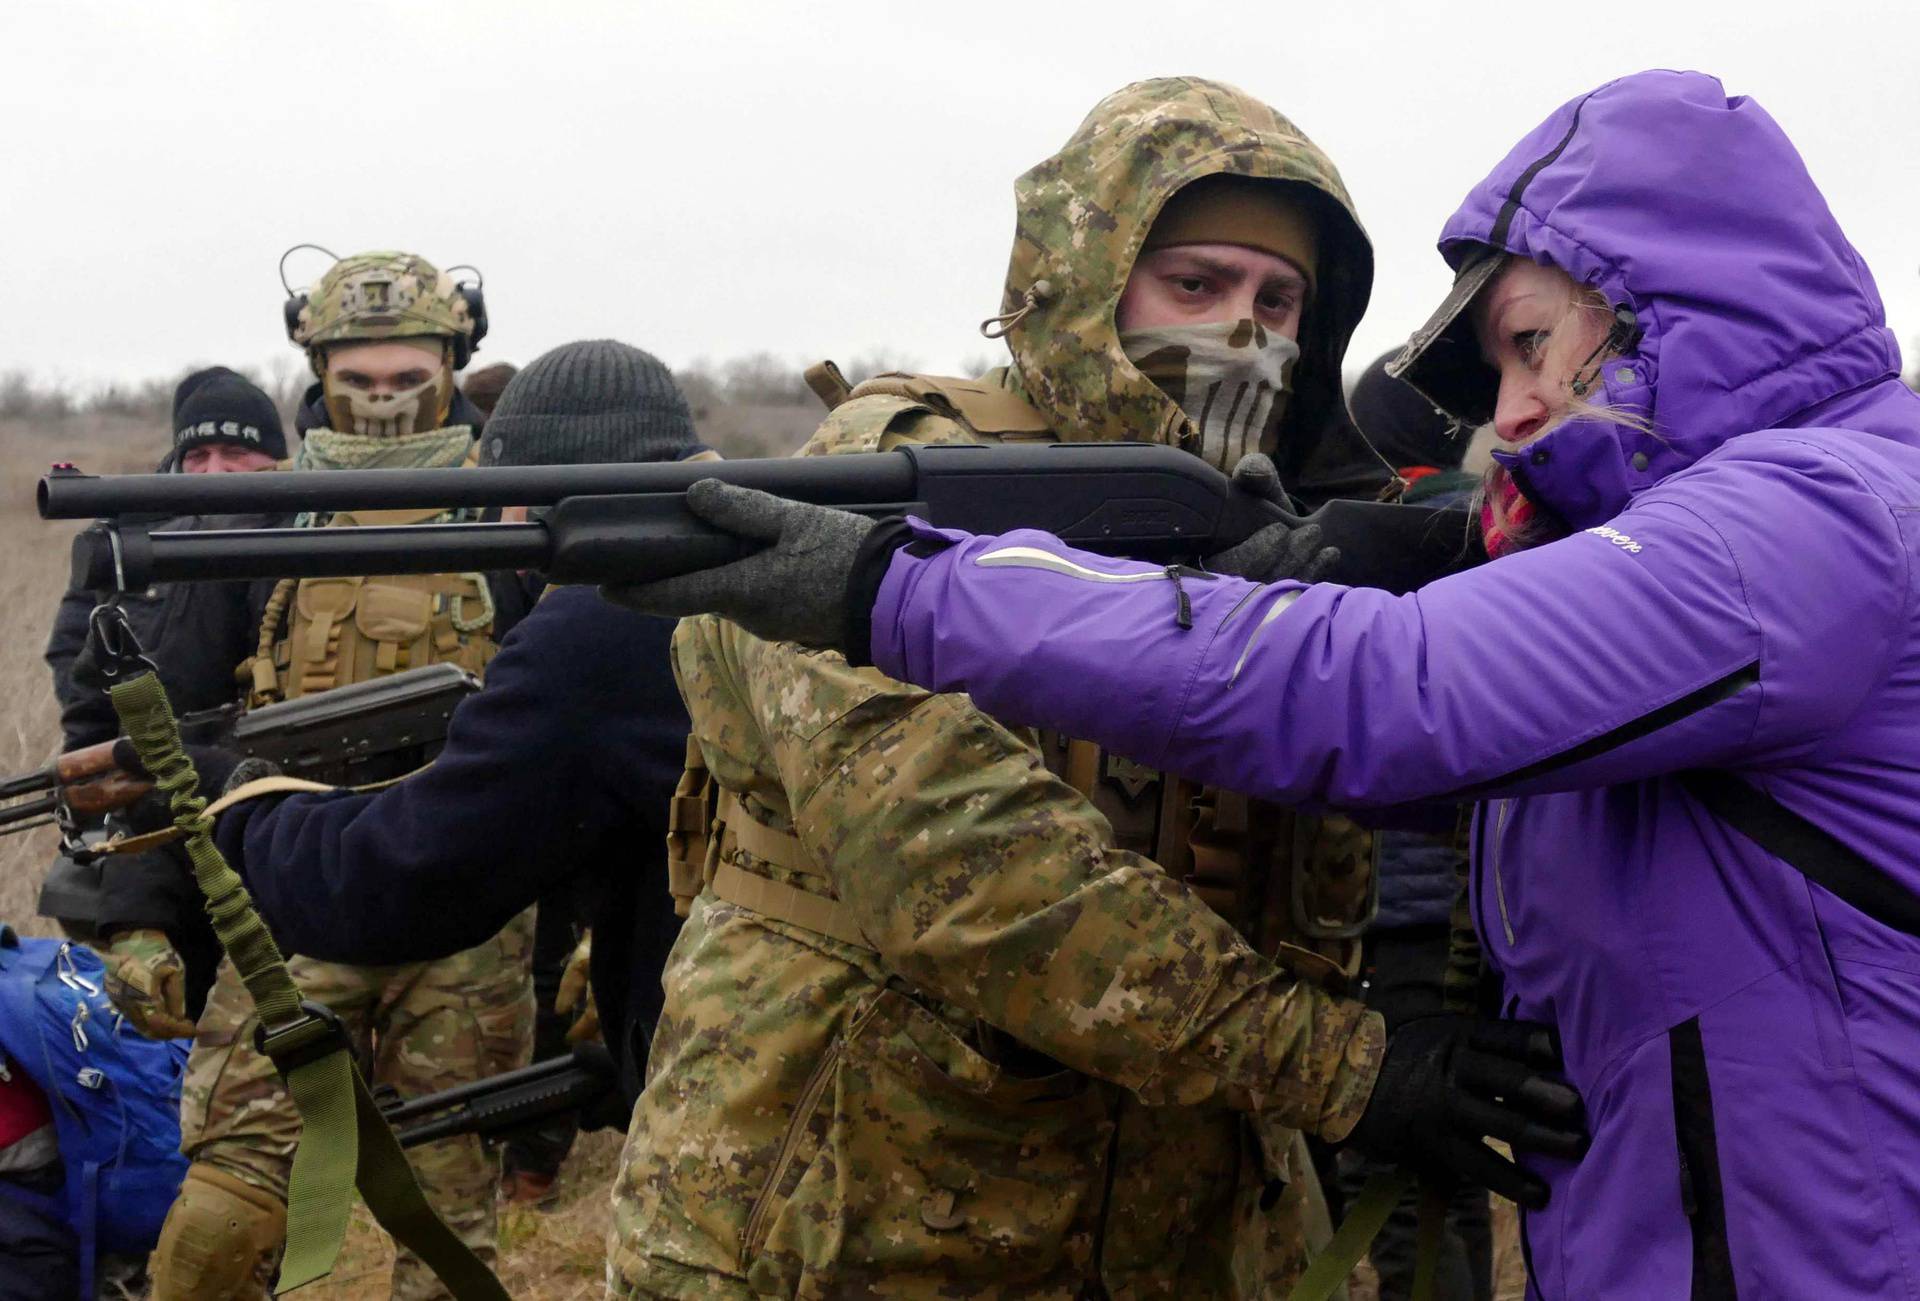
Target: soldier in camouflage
[385, 333]
[965, 1011]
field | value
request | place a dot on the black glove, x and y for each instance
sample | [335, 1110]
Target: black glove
[1280, 550]
[1449, 1081]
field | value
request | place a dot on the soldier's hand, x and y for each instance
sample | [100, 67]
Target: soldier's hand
[794, 588]
[147, 982]
[576, 992]
[1280, 550]
[1449, 1082]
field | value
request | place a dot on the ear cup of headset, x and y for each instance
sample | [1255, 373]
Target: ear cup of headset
[290, 314]
[465, 347]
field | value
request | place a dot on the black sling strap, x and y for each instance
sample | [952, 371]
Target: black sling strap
[1803, 846]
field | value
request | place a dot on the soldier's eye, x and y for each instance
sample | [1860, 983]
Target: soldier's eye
[1190, 284]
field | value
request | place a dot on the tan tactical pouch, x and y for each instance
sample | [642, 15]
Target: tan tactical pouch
[346, 630]
[1300, 888]
[982, 406]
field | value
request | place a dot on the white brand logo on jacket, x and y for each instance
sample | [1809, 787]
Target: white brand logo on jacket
[1618, 539]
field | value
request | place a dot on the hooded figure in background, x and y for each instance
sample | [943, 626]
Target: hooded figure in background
[974, 1012]
[1686, 691]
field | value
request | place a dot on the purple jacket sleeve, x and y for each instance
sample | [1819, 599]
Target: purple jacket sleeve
[1734, 614]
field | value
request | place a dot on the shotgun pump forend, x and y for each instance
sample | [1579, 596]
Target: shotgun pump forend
[629, 523]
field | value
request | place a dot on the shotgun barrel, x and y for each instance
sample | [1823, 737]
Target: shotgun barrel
[630, 523]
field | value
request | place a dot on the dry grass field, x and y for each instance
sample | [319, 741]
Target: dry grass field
[33, 573]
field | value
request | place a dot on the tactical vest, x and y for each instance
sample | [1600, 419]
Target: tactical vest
[1301, 889]
[345, 630]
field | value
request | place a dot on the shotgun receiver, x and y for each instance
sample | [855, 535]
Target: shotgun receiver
[629, 522]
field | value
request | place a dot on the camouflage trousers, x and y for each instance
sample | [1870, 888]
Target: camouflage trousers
[420, 1028]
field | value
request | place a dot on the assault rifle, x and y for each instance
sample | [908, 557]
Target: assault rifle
[500, 1104]
[332, 737]
[628, 523]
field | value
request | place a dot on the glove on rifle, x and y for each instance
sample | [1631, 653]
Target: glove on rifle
[1278, 551]
[817, 578]
[793, 590]
[1450, 1081]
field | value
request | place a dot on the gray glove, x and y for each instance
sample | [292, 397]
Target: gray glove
[1280, 550]
[793, 590]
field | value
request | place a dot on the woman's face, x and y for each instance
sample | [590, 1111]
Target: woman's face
[1535, 332]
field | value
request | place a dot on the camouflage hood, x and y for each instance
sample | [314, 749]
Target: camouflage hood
[1084, 214]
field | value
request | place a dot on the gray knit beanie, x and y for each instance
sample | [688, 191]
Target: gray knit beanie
[588, 403]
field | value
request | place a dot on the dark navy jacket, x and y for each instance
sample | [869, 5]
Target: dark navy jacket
[563, 764]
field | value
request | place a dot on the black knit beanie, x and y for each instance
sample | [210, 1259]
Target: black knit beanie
[586, 403]
[218, 405]
[1401, 424]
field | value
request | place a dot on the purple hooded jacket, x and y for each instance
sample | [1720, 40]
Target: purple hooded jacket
[1740, 596]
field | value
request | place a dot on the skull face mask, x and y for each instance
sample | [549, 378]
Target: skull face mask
[1230, 377]
[390, 415]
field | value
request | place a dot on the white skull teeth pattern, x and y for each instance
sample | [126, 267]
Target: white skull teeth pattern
[388, 415]
[1230, 377]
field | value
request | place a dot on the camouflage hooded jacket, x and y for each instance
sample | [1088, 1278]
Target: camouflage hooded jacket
[1035, 1065]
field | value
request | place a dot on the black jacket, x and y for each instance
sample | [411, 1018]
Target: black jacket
[563, 764]
[195, 633]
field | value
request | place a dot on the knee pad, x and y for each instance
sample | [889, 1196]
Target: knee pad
[221, 1241]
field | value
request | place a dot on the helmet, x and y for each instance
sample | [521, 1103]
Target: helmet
[387, 295]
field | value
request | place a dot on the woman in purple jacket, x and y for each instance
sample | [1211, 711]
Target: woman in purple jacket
[1702, 615]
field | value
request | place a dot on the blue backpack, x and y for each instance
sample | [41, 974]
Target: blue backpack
[115, 1095]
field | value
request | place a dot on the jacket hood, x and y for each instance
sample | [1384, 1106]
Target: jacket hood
[1083, 215]
[1692, 209]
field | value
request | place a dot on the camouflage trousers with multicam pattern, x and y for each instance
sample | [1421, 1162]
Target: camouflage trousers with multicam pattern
[420, 1028]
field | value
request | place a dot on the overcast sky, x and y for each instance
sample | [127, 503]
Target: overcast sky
[708, 179]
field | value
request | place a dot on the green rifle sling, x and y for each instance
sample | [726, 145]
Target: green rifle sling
[1365, 1218]
[344, 1142]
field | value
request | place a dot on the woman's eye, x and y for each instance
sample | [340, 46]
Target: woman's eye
[1528, 343]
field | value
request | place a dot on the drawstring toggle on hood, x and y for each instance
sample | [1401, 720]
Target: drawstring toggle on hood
[998, 327]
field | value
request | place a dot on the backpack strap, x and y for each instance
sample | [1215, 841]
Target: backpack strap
[1811, 850]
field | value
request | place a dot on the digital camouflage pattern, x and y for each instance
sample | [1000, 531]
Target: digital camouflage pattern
[421, 1028]
[1044, 1058]
[1055, 1072]
[381, 295]
[1084, 214]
